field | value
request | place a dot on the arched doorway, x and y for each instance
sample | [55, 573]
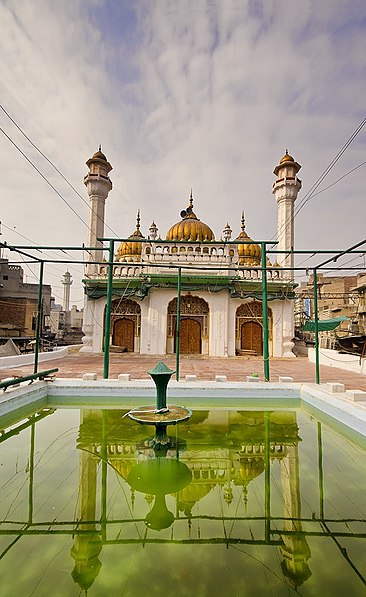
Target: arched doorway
[190, 336]
[249, 328]
[193, 325]
[125, 325]
[251, 337]
[124, 334]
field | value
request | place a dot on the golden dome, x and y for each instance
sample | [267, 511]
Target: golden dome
[249, 254]
[190, 228]
[287, 158]
[131, 251]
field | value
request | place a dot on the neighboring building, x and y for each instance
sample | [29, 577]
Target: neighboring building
[221, 310]
[360, 289]
[18, 303]
[64, 324]
[337, 296]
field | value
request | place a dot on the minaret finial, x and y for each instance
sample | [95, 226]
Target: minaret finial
[100, 147]
[191, 199]
[138, 220]
[242, 221]
[286, 151]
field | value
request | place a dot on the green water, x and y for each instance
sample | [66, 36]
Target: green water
[243, 503]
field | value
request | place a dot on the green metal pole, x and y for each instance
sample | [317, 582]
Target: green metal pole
[177, 327]
[107, 323]
[39, 317]
[104, 454]
[31, 474]
[267, 478]
[265, 313]
[320, 471]
[316, 328]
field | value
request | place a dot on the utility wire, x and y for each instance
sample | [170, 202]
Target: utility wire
[33, 242]
[311, 193]
[53, 165]
[44, 178]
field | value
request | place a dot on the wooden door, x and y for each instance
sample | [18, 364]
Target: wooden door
[124, 334]
[190, 336]
[251, 337]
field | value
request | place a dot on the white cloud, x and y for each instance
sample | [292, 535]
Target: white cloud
[202, 94]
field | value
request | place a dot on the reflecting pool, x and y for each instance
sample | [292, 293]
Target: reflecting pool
[242, 502]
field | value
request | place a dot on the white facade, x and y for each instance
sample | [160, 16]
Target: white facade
[221, 310]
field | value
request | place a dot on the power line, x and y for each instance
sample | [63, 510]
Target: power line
[44, 178]
[311, 193]
[33, 242]
[53, 166]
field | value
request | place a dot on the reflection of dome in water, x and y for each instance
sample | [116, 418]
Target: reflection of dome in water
[131, 251]
[250, 468]
[192, 494]
[87, 565]
[190, 228]
[249, 254]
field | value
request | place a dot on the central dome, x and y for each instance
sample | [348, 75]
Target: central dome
[190, 228]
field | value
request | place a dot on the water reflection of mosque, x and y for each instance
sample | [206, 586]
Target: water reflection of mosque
[223, 450]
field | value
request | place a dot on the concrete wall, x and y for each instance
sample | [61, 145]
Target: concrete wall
[332, 358]
[28, 359]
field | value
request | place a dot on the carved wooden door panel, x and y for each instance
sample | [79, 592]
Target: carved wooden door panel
[251, 337]
[190, 336]
[124, 334]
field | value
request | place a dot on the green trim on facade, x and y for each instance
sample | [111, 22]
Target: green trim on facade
[237, 287]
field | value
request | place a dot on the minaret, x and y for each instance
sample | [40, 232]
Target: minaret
[66, 281]
[226, 233]
[285, 190]
[153, 230]
[98, 185]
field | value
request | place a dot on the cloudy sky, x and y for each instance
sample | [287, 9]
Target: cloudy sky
[205, 94]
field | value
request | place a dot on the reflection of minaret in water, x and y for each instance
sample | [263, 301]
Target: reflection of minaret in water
[295, 550]
[87, 545]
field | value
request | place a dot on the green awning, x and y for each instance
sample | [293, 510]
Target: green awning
[324, 325]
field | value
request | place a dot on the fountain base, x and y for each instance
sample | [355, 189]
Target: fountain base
[149, 415]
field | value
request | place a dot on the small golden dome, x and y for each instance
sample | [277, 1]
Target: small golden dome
[98, 155]
[287, 158]
[131, 251]
[190, 228]
[249, 254]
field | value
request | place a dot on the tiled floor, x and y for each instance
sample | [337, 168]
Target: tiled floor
[235, 368]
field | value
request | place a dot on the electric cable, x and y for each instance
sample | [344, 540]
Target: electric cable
[53, 165]
[311, 193]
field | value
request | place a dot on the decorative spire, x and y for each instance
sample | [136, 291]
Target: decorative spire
[191, 200]
[138, 220]
[100, 147]
[242, 221]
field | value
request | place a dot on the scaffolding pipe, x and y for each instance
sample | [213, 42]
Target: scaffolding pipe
[39, 317]
[107, 329]
[316, 327]
[177, 326]
[265, 313]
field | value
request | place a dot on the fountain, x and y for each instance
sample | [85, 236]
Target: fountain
[160, 475]
[161, 415]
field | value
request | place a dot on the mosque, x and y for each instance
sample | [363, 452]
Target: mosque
[220, 284]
